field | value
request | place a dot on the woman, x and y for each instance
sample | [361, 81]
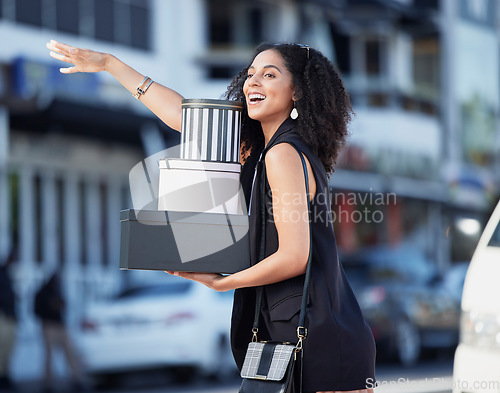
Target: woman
[282, 81]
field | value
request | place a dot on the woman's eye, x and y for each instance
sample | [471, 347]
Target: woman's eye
[269, 75]
[249, 76]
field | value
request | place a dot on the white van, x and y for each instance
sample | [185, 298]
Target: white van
[477, 358]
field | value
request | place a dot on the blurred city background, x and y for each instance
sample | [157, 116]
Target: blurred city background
[412, 190]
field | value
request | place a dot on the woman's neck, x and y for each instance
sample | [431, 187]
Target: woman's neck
[269, 128]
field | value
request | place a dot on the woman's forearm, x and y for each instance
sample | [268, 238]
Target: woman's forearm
[162, 101]
[277, 267]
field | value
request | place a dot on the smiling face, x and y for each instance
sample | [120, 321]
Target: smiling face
[268, 89]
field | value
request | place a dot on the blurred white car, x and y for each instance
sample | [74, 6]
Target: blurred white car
[176, 324]
[477, 358]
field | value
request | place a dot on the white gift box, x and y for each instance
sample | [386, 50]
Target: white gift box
[200, 186]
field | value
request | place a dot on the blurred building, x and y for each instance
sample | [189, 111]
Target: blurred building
[423, 76]
[421, 166]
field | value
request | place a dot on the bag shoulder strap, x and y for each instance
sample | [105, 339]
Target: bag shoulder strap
[301, 329]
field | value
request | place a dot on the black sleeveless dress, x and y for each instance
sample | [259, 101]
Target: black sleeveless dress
[339, 351]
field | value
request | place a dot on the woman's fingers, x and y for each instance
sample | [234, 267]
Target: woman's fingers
[55, 49]
[62, 47]
[60, 57]
[68, 70]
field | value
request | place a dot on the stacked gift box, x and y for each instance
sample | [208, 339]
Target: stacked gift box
[200, 223]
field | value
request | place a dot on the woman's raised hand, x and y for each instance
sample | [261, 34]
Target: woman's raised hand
[162, 101]
[83, 60]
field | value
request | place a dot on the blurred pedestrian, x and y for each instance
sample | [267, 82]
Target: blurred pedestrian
[50, 308]
[7, 322]
[293, 96]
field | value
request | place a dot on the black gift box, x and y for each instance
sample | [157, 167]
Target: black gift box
[184, 241]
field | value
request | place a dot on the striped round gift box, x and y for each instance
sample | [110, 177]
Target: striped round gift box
[211, 130]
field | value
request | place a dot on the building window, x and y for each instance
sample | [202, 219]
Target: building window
[29, 12]
[126, 22]
[220, 31]
[233, 26]
[222, 71]
[373, 58]
[67, 16]
[426, 4]
[256, 25]
[7, 9]
[360, 219]
[104, 16]
[426, 67]
[140, 37]
[342, 46]
[368, 80]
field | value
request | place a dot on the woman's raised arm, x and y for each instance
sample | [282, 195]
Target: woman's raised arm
[162, 101]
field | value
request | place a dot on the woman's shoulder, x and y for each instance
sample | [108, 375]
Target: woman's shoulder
[290, 135]
[282, 163]
[281, 155]
[288, 144]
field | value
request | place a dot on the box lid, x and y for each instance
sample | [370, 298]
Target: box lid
[159, 217]
[210, 103]
[216, 166]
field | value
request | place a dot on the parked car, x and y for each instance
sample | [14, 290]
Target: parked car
[477, 358]
[176, 324]
[407, 303]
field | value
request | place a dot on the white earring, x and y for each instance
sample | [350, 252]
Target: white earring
[294, 113]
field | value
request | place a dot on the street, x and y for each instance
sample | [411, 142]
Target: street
[430, 376]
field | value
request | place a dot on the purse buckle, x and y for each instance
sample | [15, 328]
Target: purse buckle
[301, 332]
[254, 337]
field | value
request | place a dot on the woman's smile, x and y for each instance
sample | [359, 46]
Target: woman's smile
[255, 98]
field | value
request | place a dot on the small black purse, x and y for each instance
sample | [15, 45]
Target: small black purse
[276, 367]
[269, 367]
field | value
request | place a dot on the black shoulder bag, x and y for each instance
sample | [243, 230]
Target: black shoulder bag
[276, 367]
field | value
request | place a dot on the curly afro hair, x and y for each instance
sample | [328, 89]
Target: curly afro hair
[324, 105]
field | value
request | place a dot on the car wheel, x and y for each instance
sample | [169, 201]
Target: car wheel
[105, 381]
[407, 340]
[183, 374]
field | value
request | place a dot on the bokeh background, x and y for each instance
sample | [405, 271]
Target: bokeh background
[421, 168]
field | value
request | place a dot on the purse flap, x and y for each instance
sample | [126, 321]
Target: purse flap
[267, 361]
